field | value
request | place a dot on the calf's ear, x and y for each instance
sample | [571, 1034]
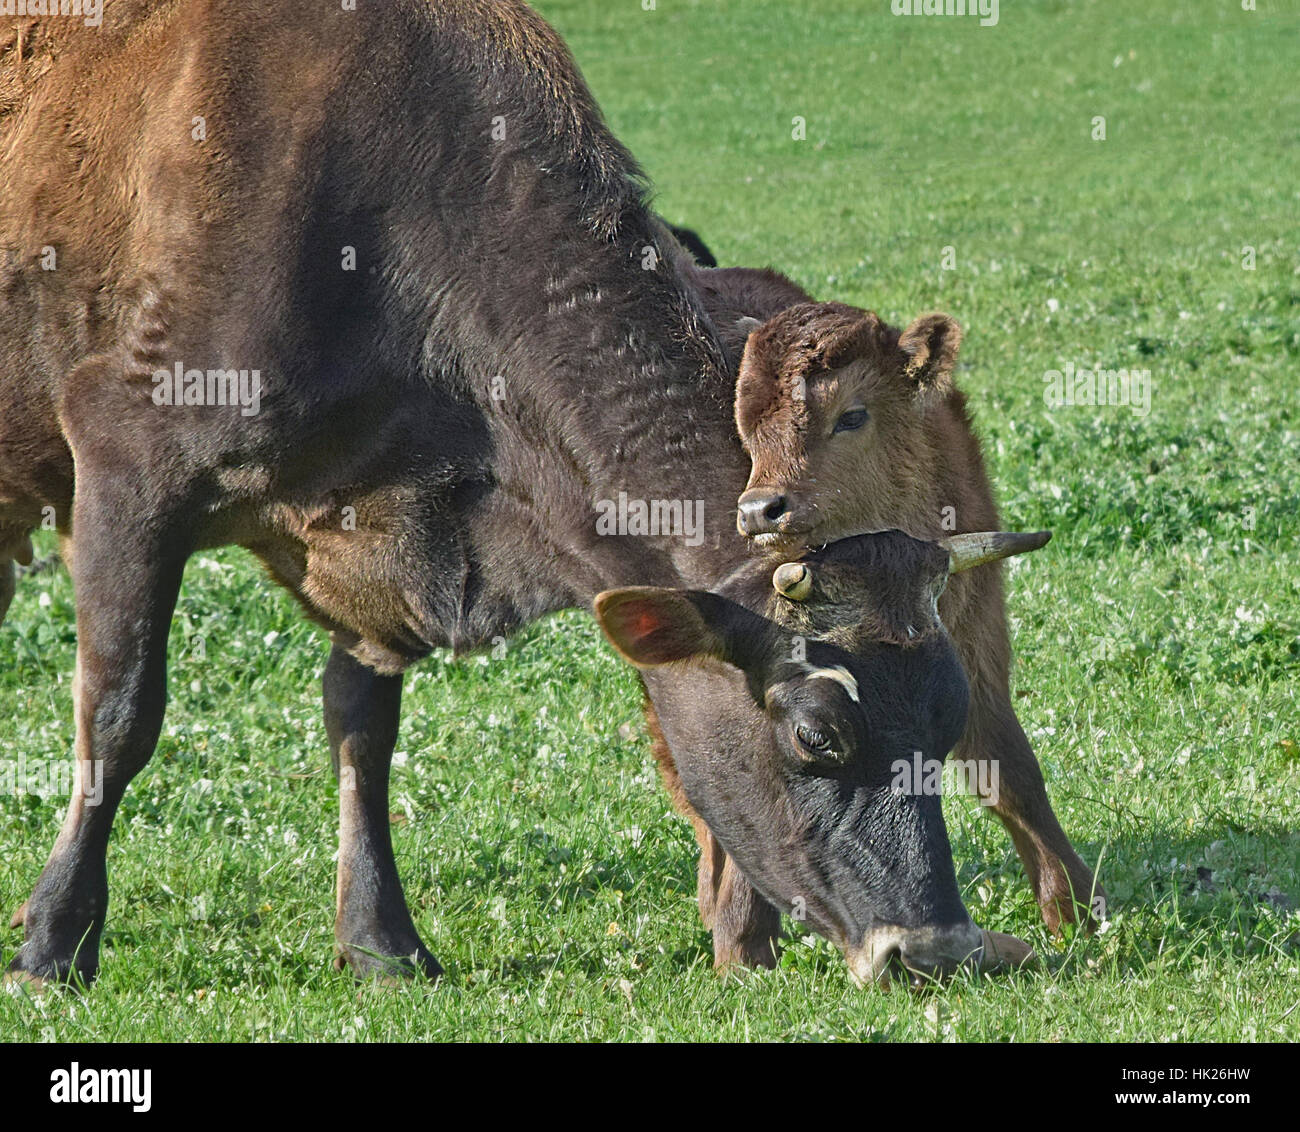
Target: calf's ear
[756, 380]
[929, 349]
[649, 625]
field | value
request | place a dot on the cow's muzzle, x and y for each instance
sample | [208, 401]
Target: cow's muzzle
[920, 957]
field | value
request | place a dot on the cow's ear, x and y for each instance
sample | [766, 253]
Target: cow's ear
[929, 349]
[650, 626]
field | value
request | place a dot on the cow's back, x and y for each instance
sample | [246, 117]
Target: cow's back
[181, 140]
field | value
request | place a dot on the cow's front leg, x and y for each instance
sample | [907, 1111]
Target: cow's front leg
[373, 931]
[126, 566]
[745, 926]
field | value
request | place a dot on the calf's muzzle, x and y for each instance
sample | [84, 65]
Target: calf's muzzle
[760, 510]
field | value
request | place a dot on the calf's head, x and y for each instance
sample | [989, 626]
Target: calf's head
[789, 700]
[836, 411]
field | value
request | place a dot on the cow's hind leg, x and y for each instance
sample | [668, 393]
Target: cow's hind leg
[8, 587]
[15, 551]
[127, 571]
[373, 930]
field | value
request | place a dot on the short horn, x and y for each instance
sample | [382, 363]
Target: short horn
[978, 547]
[792, 580]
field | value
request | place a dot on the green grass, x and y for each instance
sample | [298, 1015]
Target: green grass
[1158, 636]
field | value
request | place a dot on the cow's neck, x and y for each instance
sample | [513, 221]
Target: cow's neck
[631, 426]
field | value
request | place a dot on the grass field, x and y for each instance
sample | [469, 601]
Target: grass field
[1158, 637]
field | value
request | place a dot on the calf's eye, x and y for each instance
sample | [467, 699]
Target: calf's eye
[851, 421]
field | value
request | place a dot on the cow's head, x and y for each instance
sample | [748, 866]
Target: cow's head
[790, 701]
[835, 409]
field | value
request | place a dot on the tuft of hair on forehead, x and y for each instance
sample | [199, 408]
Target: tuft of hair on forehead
[792, 347]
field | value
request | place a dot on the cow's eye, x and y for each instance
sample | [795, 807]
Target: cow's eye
[851, 421]
[814, 740]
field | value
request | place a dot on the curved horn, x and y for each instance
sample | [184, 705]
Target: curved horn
[792, 580]
[978, 547]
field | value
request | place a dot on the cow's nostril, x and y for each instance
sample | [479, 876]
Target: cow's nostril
[885, 966]
[759, 511]
[922, 971]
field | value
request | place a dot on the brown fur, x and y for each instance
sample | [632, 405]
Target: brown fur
[916, 465]
[736, 297]
[28, 47]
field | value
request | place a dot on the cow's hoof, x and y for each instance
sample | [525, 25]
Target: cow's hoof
[28, 968]
[747, 955]
[19, 983]
[387, 970]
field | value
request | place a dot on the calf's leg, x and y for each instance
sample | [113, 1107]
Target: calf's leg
[1065, 888]
[127, 565]
[15, 551]
[373, 930]
[745, 925]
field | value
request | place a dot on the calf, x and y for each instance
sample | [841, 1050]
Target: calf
[852, 425]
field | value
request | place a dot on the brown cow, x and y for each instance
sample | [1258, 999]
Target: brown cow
[853, 425]
[367, 293]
